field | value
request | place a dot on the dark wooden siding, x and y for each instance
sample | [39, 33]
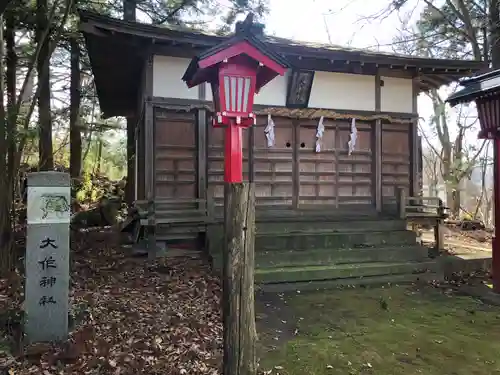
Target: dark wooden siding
[395, 158]
[175, 154]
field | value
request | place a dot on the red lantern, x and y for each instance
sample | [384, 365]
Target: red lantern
[236, 70]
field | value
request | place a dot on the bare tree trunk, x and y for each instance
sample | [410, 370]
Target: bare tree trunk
[494, 25]
[75, 159]
[46, 158]
[7, 257]
[11, 77]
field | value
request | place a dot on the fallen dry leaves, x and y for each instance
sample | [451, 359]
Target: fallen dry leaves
[130, 316]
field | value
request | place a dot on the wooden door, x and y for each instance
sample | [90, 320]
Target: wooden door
[175, 154]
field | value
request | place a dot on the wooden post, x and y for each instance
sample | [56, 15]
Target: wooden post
[238, 308]
[438, 233]
[401, 202]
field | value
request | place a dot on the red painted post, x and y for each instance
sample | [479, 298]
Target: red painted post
[495, 251]
[233, 154]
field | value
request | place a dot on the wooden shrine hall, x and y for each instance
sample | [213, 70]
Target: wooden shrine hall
[335, 154]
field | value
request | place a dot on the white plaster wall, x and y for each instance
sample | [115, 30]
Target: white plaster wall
[329, 90]
[396, 95]
[343, 91]
[167, 83]
[167, 78]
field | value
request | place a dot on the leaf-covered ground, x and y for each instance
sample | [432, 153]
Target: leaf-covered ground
[130, 317]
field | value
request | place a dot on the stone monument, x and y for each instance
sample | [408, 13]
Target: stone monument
[47, 256]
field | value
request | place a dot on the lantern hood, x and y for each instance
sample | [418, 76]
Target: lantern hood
[476, 87]
[247, 42]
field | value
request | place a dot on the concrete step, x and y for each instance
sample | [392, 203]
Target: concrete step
[332, 226]
[319, 257]
[330, 240]
[352, 281]
[344, 271]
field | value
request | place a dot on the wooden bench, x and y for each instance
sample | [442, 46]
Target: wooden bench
[423, 211]
[187, 217]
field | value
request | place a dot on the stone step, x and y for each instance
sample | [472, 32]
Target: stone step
[344, 271]
[328, 240]
[352, 281]
[333, 226]
[319, 257]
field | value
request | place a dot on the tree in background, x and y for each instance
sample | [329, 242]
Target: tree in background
[458, 29]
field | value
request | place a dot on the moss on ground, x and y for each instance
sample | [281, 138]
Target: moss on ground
[397, 330]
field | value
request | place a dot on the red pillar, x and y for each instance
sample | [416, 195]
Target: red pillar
[233, 154]
[496, 197]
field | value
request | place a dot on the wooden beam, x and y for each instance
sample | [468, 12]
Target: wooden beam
[295, 164]
[238, 296]
[149, 124]
[251, 154]
[149, 132]
[188, 104]
[414, 183]
[201, 139]
[377, 148]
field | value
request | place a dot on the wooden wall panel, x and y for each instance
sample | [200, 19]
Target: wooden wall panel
[175, 154]
[317, 170]
[355, 171]
[273, 166]
[331, 176]
[395, 158]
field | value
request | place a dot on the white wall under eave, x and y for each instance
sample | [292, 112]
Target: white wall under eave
[396, 95]
[167, 78]
[167, 83]
[343, 91]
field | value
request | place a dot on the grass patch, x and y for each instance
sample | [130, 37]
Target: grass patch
[397, 330]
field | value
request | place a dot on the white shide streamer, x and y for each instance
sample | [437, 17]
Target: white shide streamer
[269, 131]
[319, 134]
[354, 136]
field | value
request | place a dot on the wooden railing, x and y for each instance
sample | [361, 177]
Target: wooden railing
[174, 211]
[171, 212]
[423, 211]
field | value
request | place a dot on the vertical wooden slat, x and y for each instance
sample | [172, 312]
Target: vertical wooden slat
[295, 165]
[149, 132]
[377, 164]
[201, 149]
[337, 164]
[149, 124]
[414, 144]
[251, 154]
[377, 148]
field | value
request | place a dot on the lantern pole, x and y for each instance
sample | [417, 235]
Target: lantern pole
[238, 299]
[237, 69]
[233, 154]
